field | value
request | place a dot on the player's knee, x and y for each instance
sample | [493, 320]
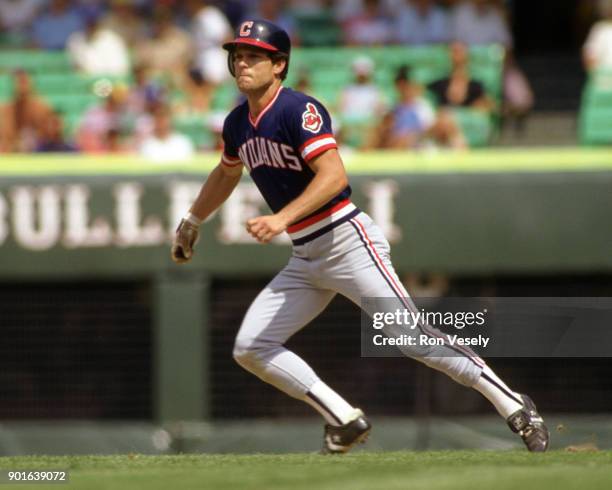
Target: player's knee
[244, 353]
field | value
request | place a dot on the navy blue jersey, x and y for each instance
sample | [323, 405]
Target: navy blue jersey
[276, 147]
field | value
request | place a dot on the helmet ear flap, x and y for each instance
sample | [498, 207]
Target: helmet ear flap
[230, 62]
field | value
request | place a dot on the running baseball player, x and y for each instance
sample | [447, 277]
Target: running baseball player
[284, 139]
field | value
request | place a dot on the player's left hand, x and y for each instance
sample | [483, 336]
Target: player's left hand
[264, 228]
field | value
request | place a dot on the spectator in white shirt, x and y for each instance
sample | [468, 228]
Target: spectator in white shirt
[98, 51]
[597, 50]
[210, 29]
[165, 145]
[362, 99]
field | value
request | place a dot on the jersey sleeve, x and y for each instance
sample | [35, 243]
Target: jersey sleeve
[311, 129]
[229, 157]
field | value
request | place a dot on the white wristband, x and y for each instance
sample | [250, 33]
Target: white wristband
[193, 219]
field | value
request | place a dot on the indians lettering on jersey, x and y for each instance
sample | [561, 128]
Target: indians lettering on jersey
[262, 151]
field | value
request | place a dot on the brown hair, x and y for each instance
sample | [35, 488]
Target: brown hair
[276, 57]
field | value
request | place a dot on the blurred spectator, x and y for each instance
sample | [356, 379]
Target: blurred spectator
[233, 10]
[597, 50]
[16, 17]
[92, 7]
[145, 93]
[485, 22]
[459, 90]
[197, 98]
[480, 22]
[23, 117]
[362, 100]
[369, 27]
[412, 123]
[344, 9]
[103, 123]
[275, 11]
[422, 22]
[51, 139]
[165, 144]
[167, 52]
[210, 29]
[98, 50]
[362, 104]
[519, 98]
[115, 142]
[123, 19]
[52, 29]
[410, 120]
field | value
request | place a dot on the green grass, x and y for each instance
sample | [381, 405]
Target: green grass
[456, 470]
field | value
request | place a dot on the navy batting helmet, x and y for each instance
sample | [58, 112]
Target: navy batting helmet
[261, 34]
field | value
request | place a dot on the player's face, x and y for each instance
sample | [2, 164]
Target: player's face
[253, 68]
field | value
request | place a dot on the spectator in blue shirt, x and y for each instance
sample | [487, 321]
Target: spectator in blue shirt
[422, 22]
[53, 28]
[413, 123]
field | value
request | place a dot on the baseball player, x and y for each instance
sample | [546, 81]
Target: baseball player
[284, 140]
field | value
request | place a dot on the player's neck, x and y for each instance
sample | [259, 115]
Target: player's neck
[260, 99]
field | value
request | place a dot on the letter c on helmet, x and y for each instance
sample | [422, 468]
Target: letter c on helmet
[245, 28]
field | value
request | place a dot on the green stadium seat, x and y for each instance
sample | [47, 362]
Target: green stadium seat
[12, 40]
[71, 123]
[355, 130]
[224, 97]
[426, 75]
[35, 61]
[598, 90]
[491, 55]
[318, 29]
[598, 97]
[489, 76]
[71, 103]
[61, 83]
[6, 87]
[596, 125]
[196, 129]
[476, 126]
[336, 77]
[326, 93]
[317, 58]
[595, 120]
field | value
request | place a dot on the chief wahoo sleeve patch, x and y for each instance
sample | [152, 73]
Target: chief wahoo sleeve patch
[311, 119]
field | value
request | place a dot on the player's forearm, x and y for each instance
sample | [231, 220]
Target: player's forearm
[325, 185]
[217, 188]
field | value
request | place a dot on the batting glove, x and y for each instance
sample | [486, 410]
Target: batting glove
[185, 238]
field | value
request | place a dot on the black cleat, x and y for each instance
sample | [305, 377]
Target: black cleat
[528, 423]
[340, 439]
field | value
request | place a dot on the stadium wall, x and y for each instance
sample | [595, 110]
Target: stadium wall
[89, 220]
